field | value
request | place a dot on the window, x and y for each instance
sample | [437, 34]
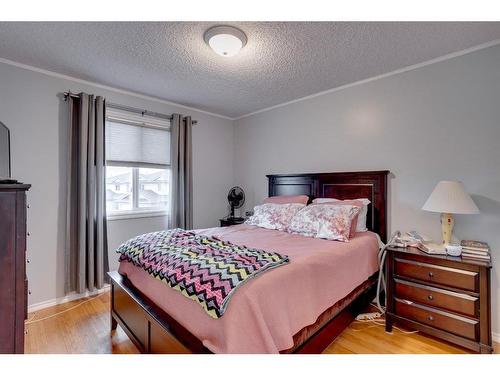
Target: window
[137, 164]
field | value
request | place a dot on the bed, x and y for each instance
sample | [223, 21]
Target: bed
[297, 308]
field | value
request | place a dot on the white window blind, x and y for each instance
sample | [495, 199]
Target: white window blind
[132, 139]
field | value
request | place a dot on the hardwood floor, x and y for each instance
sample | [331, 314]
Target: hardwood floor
[85, 329]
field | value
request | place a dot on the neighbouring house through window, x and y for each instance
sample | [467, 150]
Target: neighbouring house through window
[137, 165]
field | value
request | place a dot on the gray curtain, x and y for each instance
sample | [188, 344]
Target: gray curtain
[181, 215]
[86, 232]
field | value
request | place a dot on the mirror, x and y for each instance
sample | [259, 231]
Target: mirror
[4, 152]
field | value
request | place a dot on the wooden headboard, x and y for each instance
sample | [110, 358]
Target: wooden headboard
[340, 185]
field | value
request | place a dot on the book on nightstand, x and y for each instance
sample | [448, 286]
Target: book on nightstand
[474, 245]
[474, 256]
[475, 250]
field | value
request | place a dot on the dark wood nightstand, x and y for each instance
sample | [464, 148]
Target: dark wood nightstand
[228, 221]
[442, 296]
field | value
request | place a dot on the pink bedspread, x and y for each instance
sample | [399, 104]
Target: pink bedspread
[266, 312]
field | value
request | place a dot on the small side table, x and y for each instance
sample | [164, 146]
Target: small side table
[442, 296]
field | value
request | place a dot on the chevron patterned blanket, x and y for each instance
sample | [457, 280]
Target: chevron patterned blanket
[205, 269]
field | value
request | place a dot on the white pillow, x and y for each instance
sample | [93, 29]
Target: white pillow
[361, 227]
[274, 215]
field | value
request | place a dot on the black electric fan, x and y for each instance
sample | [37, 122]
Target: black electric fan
[236, 198]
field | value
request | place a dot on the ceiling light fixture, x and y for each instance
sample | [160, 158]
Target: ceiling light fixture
[225, 40]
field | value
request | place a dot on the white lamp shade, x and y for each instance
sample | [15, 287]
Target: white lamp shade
[450, 197]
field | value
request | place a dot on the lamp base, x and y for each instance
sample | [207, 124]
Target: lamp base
[447, 223]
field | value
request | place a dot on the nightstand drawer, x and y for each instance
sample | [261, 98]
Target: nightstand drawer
[452, 323]
[453, 277]
[456, 302]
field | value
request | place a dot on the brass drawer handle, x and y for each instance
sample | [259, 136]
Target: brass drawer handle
[431, 318]
[431, 274]
[430, 297]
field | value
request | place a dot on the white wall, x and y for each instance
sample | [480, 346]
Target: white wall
[441, 121]
[31, 106]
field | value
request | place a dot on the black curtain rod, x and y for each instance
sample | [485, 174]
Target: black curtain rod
[143, 112]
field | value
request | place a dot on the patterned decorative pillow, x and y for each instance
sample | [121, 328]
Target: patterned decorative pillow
[361, 224]
[274, 216]
[354, 222]
[330, 222]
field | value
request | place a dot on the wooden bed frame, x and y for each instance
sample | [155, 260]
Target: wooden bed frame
[154, 331]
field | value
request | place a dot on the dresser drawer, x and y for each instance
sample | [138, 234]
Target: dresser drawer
[445, 321]
[456, 302]
[453, 277]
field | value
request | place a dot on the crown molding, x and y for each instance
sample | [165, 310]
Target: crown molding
[325, 92]
[106, 87]
[375, 78]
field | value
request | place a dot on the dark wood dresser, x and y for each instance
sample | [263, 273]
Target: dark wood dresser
[442, 296]
[13, 282]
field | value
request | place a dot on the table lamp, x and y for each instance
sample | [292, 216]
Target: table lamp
[448, 198]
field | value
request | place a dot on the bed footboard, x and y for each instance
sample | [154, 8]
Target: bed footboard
[151, 329]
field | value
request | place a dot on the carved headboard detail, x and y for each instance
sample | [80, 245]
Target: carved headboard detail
[340, 185]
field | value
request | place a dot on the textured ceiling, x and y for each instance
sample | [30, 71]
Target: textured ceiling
[281, 62]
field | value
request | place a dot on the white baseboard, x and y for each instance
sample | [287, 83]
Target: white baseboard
[495, 336]
[70, 297]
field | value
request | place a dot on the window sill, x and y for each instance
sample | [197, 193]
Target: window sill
[135, 215]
